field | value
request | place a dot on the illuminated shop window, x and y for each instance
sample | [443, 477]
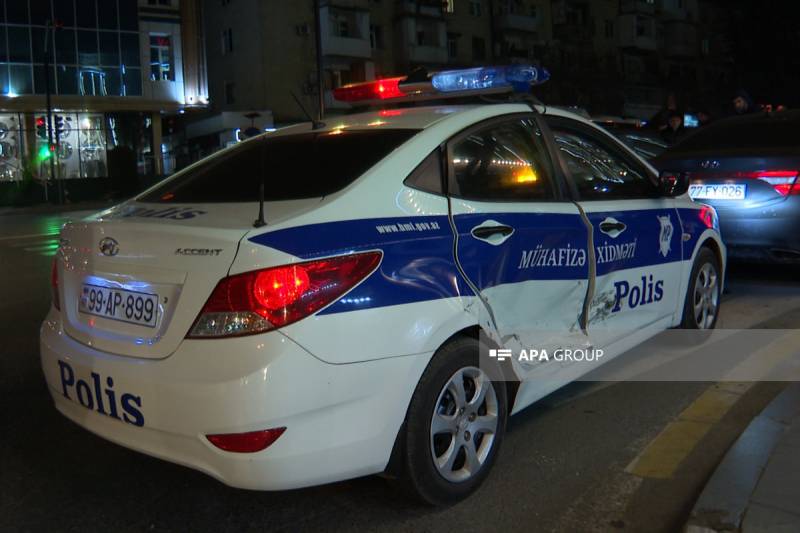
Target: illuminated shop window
[11, 147]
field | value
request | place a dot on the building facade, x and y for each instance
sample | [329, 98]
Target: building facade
[113, 69]
[609, 56]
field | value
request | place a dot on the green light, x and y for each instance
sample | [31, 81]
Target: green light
[45, 153]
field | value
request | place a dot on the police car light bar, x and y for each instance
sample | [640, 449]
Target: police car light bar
[449, 83]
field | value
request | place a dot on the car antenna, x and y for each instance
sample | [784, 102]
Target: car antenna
[315, 124]
[260, 222]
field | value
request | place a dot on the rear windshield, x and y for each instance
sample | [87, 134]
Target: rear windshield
[745, 134]
[293, 167]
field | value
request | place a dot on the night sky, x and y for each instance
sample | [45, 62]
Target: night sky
[766, 49]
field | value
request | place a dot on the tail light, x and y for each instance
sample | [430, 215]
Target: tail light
[54, 285]
[262, 300]
[783, 181]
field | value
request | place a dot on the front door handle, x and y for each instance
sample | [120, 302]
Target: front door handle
[492, 232]
[612, 227]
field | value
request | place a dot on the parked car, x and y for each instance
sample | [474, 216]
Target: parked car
[747, 168]
[339, 334]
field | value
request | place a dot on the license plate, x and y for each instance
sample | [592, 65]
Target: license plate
[723, 191]
[119, 304]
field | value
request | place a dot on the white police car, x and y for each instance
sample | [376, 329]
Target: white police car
[340, 338]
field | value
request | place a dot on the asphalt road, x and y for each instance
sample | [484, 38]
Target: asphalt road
[562, 467]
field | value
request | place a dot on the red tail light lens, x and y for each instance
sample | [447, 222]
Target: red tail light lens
[54, 285]
[371, 90]
[258, 301]
[252, 442]
[784, 182]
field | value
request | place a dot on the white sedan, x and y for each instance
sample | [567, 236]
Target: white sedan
[343, 332]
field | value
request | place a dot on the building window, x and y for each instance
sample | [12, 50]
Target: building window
[161, 58]
[609, 29]
[449, 6]
[159, 2]
[475, 8]
[452, 45]
[534, 11]
[229, 96]
[227, 41]
[375, 37]
[478, 49]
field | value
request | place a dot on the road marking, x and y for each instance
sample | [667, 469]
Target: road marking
[661, 458]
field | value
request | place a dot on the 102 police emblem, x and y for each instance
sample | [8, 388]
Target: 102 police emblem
[665, 237]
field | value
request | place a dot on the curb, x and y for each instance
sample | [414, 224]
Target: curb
[727, 495]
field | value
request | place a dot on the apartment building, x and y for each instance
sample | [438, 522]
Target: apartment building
[612, 54]
[114, 68]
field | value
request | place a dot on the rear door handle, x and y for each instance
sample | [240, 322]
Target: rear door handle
[492, 232]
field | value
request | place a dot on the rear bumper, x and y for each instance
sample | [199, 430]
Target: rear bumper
[341, 420]
[768, 232]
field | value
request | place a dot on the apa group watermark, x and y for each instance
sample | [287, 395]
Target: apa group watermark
[561, 355]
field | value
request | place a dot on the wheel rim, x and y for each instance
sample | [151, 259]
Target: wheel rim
[464, 424]
[706, 296]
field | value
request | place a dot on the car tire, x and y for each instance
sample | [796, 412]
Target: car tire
[703, 294]
[445, 465]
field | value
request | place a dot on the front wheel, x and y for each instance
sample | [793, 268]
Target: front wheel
[454, 427]
[701, 308]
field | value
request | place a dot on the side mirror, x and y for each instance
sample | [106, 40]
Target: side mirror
[672, 184]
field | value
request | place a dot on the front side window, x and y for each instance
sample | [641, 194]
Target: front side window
[598, 169]
[506, 161]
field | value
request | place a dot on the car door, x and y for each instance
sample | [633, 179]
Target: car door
[521, 244]
[636, 233]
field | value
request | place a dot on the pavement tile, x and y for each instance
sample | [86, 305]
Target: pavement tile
[786, 407]
[760, 518]
[728, 492]
[779, 486]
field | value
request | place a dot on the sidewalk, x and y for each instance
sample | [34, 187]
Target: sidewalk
[45, 209]
[756, 487]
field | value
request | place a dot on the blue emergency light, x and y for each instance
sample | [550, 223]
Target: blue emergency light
[518, 77]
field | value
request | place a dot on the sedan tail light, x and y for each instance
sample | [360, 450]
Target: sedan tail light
[54, 285]
[783, 181]
[262, 300]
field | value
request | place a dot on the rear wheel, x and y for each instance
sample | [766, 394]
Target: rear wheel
[454, 427]
[701, 309]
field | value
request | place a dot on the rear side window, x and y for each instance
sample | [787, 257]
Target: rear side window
[504, 161]
[293, 167]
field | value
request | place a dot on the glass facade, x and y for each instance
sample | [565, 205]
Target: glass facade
[95, 47]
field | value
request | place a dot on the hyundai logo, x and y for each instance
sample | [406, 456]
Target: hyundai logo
[710, 164]
[109, 247]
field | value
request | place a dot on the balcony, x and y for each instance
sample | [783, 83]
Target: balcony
[680, 40]
[424, 8]
[345, 32]
[637, 32]
[421, 41]
[514, 22]
[641, 7]
[427, 55]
